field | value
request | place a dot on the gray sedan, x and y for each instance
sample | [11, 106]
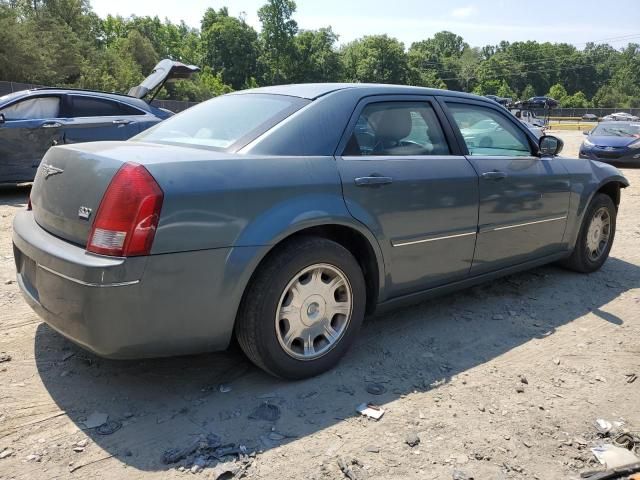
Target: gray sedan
[283, 215]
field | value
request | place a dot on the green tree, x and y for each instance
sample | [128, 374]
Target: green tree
[375, 58]
[577, 100]
[506, 91]
[528, 92]
[278, 31]
[557, 92]
[315, 58]
[230, 47]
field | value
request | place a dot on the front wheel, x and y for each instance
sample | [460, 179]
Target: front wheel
[302, 309]
[596, 236]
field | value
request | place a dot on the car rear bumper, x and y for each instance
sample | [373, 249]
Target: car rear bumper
[133, 307]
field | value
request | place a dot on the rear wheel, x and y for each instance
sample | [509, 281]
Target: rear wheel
[596, 236]
[302, 309]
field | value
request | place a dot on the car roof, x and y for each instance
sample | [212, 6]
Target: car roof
[61, 91]
[311, 91]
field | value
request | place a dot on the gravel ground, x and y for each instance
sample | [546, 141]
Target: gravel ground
[500, 381]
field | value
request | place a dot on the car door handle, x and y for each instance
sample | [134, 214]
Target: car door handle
[122, 121]
[373, 180]
[493, 175]
[51, 125]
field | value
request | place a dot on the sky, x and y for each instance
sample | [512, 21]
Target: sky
[479, 22]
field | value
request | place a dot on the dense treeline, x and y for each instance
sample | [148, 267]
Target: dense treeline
[63, 42]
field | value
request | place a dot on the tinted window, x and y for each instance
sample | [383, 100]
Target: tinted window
[397, 128]
[97, 107]
[33, 108]
[487, 132]
[224, 121]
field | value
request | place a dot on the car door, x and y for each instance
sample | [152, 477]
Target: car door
[404, 178]
[524, 199]
[92, 119]
[29, 128]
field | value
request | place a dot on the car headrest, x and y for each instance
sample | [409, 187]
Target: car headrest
[391, 124]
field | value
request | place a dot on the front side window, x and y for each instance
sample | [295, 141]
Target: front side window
[33, 108]
[397, 129]
[487, 132]
[224, 121]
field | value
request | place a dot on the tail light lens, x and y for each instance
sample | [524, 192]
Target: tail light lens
[128, 215]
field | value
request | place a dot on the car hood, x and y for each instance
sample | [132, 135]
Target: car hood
[165, 70]
[611, 141]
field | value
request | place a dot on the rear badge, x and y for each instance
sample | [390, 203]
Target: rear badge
[84, 213]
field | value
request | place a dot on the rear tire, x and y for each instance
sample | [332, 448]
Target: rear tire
[303, 308]
[596, 236]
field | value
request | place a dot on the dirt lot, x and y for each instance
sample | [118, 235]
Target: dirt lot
[501, 381]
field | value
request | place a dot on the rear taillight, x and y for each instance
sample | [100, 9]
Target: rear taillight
[128, 214]
[29, 206]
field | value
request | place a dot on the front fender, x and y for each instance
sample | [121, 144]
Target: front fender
[587, 178]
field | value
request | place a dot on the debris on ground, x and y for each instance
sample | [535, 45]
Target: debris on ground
[4, 357]
[460, 475]
[109, 427]
[370, 410]
[267, 412]
[346, 469]
[174, 455]
[613, 457]
[631, 377]
[7, 452]
[224, 388]
[412, 439]
[376, 388]
[96, 419]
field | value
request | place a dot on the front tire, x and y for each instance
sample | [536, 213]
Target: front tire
[303, 308]
[596, 236]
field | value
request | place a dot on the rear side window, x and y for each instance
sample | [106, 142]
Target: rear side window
[397, 129]
[82, 106]
[487, 132]
[224, 122]
[33, 108]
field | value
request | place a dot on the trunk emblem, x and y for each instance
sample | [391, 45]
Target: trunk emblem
[84, 213]
[49, 170]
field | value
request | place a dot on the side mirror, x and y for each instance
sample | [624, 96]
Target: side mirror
[550, 146]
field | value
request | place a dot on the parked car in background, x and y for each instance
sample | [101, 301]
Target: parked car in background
[542, 102]
[590, 117]
[620, 116]
[528, 116]
[31, 121]
[613, 142]
[504, 101]
[282, 215]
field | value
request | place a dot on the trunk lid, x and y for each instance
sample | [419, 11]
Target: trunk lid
[67, 190]
[72, 179]
[165, 70]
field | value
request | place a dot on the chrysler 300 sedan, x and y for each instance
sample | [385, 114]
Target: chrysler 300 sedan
[283, 215]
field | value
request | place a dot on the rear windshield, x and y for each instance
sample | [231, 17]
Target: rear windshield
[617, 130]
[224, 123]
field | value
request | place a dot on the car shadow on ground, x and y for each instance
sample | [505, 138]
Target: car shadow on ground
[15, 195]
[166, 403]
